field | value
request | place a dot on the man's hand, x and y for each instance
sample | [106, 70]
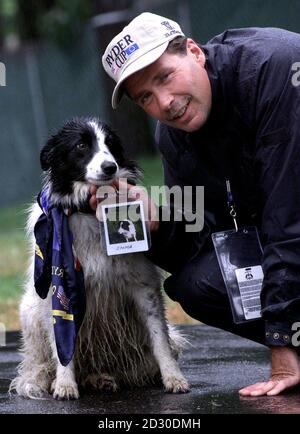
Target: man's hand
[285, 374]
[93, 199]
[135, 193]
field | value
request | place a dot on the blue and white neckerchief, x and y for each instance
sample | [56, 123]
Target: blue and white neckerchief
[56, 269]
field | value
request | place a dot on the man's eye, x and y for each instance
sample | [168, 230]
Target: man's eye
[164, 77]
[81, 146]
[145, 98]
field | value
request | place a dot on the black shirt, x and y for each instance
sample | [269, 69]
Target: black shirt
[252, 137]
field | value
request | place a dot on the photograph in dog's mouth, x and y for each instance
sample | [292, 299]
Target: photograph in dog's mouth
[102, 324]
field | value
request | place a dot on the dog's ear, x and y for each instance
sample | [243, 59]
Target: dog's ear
[113, 142]
[46, 154]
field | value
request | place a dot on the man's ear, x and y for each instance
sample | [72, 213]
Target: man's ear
[194, 50]
[46, 154]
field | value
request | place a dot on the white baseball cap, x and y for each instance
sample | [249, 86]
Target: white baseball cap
[139, 44]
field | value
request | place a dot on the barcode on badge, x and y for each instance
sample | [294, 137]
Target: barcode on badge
[250, 283]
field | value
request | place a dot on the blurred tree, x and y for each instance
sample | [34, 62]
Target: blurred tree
[129, 121]
[63, 23]
[8, 30]
[29, 14]
[58, 20]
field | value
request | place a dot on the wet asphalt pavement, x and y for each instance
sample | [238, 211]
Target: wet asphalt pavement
[217, 364]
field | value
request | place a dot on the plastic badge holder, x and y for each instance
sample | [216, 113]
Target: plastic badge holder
[239, 255]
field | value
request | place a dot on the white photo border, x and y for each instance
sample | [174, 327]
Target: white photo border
[128, 246]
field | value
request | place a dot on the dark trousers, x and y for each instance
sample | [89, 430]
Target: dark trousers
[200, 290]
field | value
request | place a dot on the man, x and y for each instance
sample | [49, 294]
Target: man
[226, 110]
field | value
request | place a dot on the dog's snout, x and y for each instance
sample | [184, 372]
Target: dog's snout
[108, 167]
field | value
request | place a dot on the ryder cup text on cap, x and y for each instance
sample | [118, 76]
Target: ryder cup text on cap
[119, 51]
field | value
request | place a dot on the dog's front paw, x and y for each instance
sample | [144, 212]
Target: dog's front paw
[107, 382]
[28, 389]
[65, 390]
[175, 384]
[101, 382]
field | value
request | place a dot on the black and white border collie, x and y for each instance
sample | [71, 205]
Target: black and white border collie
[124, 339]
[127, 230]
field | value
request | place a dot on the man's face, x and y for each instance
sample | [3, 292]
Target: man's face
[175, 89]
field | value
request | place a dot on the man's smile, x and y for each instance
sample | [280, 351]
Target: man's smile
[178, 113]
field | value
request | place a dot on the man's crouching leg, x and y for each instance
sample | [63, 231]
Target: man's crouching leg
[200, 290]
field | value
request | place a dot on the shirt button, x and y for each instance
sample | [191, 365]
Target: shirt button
[286, 338]
[268, 334]
[276, 335]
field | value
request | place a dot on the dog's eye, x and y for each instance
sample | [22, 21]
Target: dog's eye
[81, 146]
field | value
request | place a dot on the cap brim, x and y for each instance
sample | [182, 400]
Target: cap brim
[138, 64]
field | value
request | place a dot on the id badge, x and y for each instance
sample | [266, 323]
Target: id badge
[239, 255]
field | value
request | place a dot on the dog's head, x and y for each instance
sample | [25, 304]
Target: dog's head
[126, 228]
[84, 151]
[125, 225]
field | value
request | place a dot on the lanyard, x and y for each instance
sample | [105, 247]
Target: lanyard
[231, 204]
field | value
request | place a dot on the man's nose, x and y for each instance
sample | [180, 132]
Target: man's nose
[165, 100]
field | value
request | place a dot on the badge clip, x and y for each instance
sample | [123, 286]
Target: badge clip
[231, 205]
